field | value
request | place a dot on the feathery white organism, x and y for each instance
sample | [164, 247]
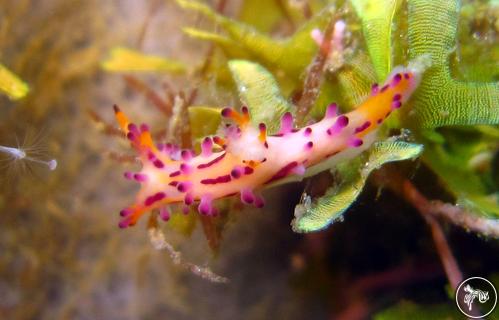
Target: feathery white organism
[18, 154]
[29, 151]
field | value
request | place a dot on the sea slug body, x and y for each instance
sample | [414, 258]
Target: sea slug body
[246, 158]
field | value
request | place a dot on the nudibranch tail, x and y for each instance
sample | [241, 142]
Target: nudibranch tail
[246, 158]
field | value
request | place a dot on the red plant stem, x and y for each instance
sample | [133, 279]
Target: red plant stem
[314, 77]
[424, 206]
[154, 98]
[356, 297]
[183, 127]
[470, 221]
[404, 188]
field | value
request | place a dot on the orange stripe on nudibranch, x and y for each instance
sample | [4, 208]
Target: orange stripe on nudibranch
[250, 158]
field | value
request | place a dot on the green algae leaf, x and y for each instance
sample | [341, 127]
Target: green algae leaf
[269, 14]
[11, 85]
[410, 310]
[272, 14]
[231, 48]
[441, 100]
[204, 121]
[183, 224]
[260, 92]
[483, 205]
[455, 159]
[349, 87]
[317, 215]
[489, 131]
[356, 79]
[128, 60]
[291, 55]
[376, 17]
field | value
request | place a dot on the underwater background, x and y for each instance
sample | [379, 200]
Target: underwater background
[392, 248]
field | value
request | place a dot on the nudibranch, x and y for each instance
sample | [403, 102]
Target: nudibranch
[246, 159]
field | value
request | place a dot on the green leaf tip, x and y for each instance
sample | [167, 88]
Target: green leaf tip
[390, 151]
[376, 17]
[127, 60]
[291, 55]
[204, 121]
[260, 92]
[441, 100]
[12, 85]
[318, 214]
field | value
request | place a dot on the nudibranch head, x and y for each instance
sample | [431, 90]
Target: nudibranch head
[247, 159]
